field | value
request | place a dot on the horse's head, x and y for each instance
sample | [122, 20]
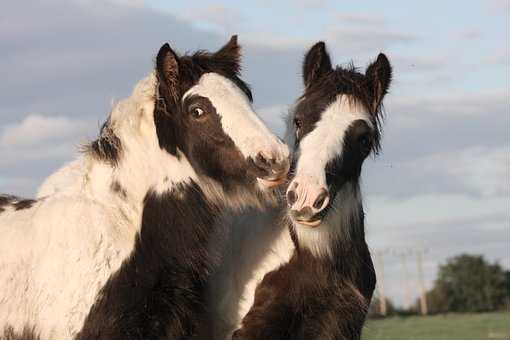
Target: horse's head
[203, 109]
[335, 126]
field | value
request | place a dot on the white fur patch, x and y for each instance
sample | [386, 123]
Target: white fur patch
[238, 119]
[55, 256]
[345, 211]
[261, 243]
[324, 143]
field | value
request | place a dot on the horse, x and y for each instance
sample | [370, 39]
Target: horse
[315, 278]
[121, 242]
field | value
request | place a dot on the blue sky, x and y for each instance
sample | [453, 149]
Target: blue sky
[442, 181]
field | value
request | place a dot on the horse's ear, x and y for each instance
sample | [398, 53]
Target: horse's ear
[317, 63]
[167, 67]
[379, 75]
[230, 55]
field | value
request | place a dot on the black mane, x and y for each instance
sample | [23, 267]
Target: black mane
[192, 67]
[345, 81]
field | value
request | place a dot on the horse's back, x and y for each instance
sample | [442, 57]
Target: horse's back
[54, 257]
[64, 179]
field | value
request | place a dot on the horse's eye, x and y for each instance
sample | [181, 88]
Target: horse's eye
[197, 112]
[365, 141]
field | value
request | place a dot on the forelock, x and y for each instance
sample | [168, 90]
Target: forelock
[192, 67]
[344, 81]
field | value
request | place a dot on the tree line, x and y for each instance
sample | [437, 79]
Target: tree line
[465, 284]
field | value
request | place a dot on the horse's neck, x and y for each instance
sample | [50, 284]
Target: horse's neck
[342, 226]
[144, 165]
[122, 187]
[341, 246]
[183, 226]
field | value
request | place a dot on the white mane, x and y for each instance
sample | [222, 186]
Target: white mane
[141, 165]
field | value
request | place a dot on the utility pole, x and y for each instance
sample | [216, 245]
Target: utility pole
[380, 283]
[423, 293]
[407, 296]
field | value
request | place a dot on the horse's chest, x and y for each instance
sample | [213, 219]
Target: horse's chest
[67, 289]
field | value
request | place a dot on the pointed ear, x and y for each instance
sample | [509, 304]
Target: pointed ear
[317, 63]
[167, 68]
[379, 75]
[230, 55]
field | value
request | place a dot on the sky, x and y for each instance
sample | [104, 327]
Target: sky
[442, 180]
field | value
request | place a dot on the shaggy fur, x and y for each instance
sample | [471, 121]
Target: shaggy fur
[122, 241]
[28, 333]
[158, 291]
[323, 292]
[15, 203]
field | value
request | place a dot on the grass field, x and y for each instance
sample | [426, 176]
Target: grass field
[440, 327]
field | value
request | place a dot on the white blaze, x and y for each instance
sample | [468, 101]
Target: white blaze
[326, 141]
[323, 144]
[238, 119]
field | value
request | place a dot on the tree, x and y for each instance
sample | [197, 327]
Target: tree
[468, 283]
[507, 283]
[374, 311]
[437, 301]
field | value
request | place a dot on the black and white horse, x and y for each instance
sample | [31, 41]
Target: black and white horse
[121, 242]
[321, 277]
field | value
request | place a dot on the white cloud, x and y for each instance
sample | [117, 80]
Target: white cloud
[36, 129]
[481, 169]
[365, 40]
[460, 105]
[360, 19]
[215, 16]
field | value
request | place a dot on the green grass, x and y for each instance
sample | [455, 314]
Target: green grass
[494, 326]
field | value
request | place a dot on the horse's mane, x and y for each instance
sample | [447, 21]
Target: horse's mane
[108, 147]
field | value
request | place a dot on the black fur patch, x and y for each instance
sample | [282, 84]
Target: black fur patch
[118, 189]
[6, 200]
[107, 147]
[176, 75]
[15, 202]
[347, 167]
[28, 333]
[324, 83]
[24, 204]
[159, 291]
[313, 298]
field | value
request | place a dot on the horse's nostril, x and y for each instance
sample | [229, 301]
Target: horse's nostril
[319, 202]
[291, 197]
